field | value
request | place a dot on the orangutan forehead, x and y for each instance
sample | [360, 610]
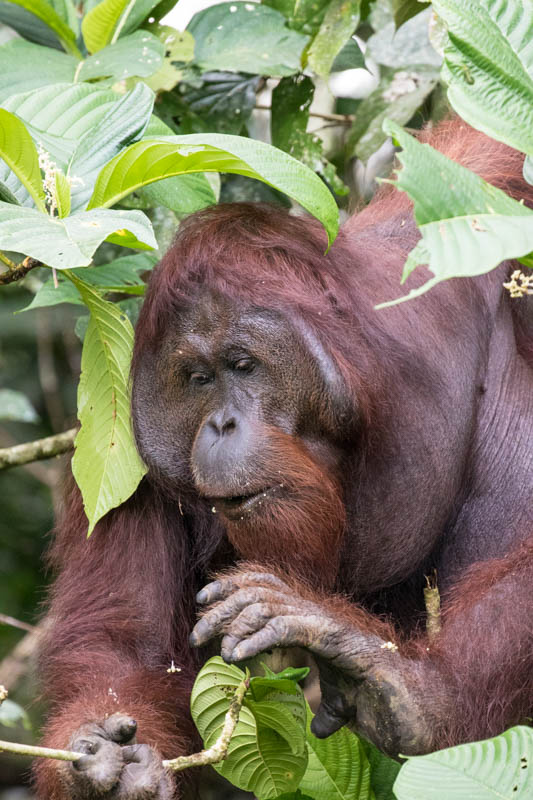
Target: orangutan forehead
[215, 316]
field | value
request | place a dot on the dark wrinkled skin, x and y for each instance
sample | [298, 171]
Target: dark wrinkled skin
[115, 767]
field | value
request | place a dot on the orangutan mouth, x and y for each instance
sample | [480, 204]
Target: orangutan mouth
[237, 506]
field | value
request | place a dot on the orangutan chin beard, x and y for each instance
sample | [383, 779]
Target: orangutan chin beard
[295, 521]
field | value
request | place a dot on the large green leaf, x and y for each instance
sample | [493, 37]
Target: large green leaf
[468, 227]
[339, 23]
[81, 127]
[266, 754]
[140, 54]
[123, 275]
[495, 769]
[106, 465]
[110, 19]
[150, 160]
[245, 37]
[18, 151]
[489, 66]
[25, 66]
[49, 16]
[337, 769]
[124, 123]
[69, 242]
[64, 110]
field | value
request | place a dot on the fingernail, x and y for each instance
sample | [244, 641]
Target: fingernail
[202, 596]
[193, 640]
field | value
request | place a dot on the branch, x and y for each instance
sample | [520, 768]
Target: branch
[39, 752]
[341, 119]
[217, 752]
[19, 660]
[5, 619]
[16, 272]
[38, 450]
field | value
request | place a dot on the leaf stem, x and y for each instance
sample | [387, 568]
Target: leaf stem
[219, 750]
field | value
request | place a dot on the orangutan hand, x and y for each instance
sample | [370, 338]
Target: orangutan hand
[114, 767]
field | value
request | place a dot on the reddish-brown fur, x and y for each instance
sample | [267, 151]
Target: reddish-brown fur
[123, 605]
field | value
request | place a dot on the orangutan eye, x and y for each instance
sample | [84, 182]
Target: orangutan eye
[244, 365]
[200, 378]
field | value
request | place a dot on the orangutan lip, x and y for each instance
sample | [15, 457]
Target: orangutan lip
[234, 507]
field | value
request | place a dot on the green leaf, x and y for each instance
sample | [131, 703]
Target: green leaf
[489, 66]
[124, 123]
[150, 160]
[69, 242]
[121, 275]
[350, 57]
[27, 25]
[178, 46]
[494, 769]
[383, 771]
[110, 19]
[337, 769]
[224, 100]
[11, 715]
[81, 127]
[302, 15]
[52, 114]
[62, 194]
[66, 9]
[19, 153]
[405, 9]
[184, 194]
[106, 465]
[408, 47]
[468, 227]
[46, 14]
[397, 97]
[140, 54]
[63, 110]
[245, 37]
[15, 407]
[263, 756]
[25, 66]
[339, 23]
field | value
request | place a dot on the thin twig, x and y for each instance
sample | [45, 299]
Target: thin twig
[7, 261]
[5, 619]
[37, 451]
[213, 755]
[18, 271]
[432, 603]
[342, 119]
[39, 752]
[219, 750]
